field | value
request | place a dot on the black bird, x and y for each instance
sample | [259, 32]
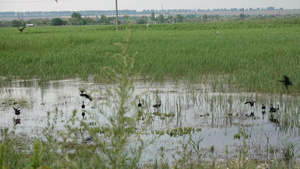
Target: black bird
[273, 109]
[263, 107]
[277, 108]
[286, 81]
[158, 104]
[89, 139]
[83, 114]
[139, 104]
[17, 111]
[21, 29]
[86, 96]
[83, 106]
[250, 102]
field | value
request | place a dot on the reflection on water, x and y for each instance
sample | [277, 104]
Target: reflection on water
[220, 116]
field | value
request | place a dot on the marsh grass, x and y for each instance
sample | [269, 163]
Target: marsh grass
[68, 149]
[247, 55]
[112, 149]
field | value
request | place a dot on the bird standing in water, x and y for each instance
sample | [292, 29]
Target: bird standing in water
[83, 106]
[17, 111]
[250, 102]
[252, 106]
[273, 109]
[158, 104]
[263, 107]
[85, 95]
[286, 81]
[139, 104]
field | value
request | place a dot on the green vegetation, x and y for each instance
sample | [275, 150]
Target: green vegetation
[251, 55]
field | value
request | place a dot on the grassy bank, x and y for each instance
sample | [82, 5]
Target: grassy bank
[252, 55]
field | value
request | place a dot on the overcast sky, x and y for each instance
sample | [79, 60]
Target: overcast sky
[78, 5]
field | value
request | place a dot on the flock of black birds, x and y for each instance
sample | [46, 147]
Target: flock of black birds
[286, 81]
[272, 110]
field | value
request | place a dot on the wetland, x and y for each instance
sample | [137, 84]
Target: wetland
[78, 89]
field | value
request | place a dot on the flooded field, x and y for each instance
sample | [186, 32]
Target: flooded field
[222, 120]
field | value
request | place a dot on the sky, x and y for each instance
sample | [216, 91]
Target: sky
[80, 5]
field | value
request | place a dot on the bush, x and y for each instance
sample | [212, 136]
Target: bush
[57, 22]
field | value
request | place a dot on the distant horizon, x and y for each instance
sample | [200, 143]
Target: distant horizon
[138, 5]
[150, 9]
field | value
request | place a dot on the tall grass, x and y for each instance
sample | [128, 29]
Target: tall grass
[108, 145]
[112, 149]
[251, 55]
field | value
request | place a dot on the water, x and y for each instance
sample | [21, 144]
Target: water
[220, 116]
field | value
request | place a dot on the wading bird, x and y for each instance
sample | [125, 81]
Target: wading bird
[21, 29]
[263, 107]
[139, 104]
[158, 104]
[83, 106]
[83, 114]
[286, 81]
[250, 102]
[83, 94]
[17, 111]
[273, 109]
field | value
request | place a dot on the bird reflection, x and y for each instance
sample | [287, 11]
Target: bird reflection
[273, 120]
[18, 121]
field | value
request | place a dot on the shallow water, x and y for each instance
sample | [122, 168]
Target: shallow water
[218, 115]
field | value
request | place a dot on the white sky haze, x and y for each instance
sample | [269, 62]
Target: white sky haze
[79, 5]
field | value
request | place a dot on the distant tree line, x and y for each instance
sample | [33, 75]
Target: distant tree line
[127, 12]
[77, 19]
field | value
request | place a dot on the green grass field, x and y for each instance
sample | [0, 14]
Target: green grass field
[251, 55]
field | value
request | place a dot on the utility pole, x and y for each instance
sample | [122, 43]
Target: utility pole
[117, 27]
